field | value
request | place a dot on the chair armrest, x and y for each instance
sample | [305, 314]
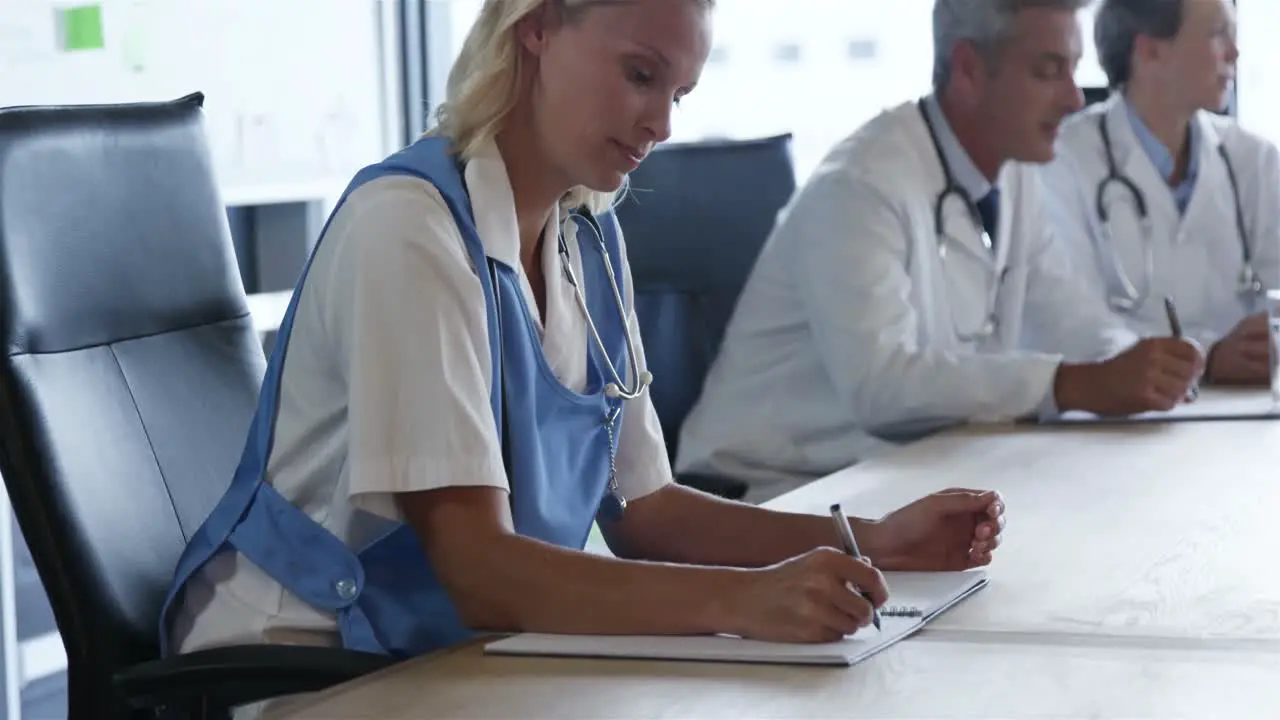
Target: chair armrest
[230, 676]
[724, 487]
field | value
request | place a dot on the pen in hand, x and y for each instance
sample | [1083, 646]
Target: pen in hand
[851, 547]
[1175, 327]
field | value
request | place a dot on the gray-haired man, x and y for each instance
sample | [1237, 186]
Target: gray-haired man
[912, 282]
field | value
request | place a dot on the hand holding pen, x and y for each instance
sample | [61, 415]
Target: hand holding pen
[1175, 328]
[851, 547]
[822, 595]
[1155, 373]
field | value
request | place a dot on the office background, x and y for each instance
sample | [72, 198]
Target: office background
[300, 93]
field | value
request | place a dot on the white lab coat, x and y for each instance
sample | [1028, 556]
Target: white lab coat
[1197, 254]
[845, 334]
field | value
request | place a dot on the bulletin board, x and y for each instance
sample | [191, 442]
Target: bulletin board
[295, 90]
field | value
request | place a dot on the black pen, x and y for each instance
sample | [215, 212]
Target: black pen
[1175, 327]
[851, 547]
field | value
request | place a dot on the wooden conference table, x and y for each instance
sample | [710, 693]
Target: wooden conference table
[1138, 578]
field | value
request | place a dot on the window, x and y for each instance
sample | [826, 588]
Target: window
[788, 52]
[1257, 84]
[1089, 73]
[862, 49]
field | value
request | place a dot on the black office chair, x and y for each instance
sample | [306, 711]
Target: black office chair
[694, 220]
[128, 383]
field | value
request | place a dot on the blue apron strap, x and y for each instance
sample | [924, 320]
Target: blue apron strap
[229, 511]
[243, 511]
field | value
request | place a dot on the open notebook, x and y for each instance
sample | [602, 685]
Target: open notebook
[915, 599]
[1212, 404]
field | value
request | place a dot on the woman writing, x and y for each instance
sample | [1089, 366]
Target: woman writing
[439, 426]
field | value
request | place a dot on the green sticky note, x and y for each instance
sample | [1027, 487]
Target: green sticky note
[81, 27]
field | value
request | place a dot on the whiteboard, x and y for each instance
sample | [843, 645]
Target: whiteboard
[294, 89]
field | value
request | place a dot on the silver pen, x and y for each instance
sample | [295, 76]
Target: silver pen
[851, 547]
[1175, 327]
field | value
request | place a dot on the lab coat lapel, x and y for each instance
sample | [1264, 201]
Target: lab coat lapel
[1126, 232]
[1134, 164]
[1212, 177]
[965, 268]
[959, 223]
[1007, 215]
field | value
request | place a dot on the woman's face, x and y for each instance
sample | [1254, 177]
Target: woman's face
[605, 82]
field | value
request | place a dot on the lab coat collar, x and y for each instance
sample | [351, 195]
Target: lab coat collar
[970, 178]
[494, 206]
[1160, 155]
[965, 172]
[1124, 138]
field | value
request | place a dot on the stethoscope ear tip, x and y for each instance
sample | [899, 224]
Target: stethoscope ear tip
[613, 391]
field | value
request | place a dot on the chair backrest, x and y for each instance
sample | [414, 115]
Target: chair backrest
[131, 367]
[695, 219]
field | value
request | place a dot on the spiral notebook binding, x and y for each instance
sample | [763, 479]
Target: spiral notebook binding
[901, 611]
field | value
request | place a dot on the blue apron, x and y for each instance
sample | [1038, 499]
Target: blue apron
[557, 446]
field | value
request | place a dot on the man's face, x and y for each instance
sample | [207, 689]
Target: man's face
[1030, 85]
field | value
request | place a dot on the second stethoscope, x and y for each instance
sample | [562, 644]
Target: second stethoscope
[953, 190]
[614, 503]
[1130, 297]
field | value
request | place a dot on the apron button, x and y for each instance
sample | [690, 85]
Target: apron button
[346, 588]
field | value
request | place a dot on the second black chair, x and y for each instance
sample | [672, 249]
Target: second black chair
[695, 219]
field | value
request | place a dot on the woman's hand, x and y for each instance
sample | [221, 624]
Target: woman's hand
[955, 529]
[815, 597]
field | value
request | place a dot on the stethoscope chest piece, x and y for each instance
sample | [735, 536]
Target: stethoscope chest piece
[612, 506]
[1249, 282]
[1122, 304]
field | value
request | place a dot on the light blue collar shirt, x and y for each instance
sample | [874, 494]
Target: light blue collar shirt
[1164, 160]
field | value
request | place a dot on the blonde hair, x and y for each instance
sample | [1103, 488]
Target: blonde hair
[483, 84]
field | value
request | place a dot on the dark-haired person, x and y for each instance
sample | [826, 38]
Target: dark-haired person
[1192, 211]
[913, 282]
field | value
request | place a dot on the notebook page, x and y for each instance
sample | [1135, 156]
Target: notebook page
[717, 648]
[930, 592]
[1212, 404]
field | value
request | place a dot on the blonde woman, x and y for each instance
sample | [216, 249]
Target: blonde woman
[439, 428]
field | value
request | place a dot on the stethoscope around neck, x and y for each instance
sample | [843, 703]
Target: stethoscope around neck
[953, 190]
[639, 379]
[613, 504]
[1131, 297]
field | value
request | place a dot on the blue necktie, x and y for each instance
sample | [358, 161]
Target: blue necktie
[989, 209]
